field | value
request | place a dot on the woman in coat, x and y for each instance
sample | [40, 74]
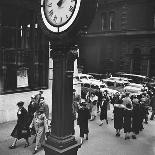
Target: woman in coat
[104, 105]
[83, 117]
[135, 116]
[127, 120]
[118, 116]
[41, 127]
[21, 129]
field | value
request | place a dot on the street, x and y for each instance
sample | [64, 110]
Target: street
[102, 140]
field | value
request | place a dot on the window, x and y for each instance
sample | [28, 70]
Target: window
[103, 21]
[112, 21]
[24, 55]
[154, 20]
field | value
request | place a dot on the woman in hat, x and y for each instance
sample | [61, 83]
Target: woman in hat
[40, 123]
[118, 116]
[127, 120]
[21, 129]
[83, 117]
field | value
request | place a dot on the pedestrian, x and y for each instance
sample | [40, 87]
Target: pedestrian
[21, 129]
[41, 127]
[93, 99]
[118, 117]
[104, 106]
[152, 103]
[145, 103]
[45, 106]
[135, 116]
[83, 117]
[127, 99]
[38, 96]
[31, 108]
[127, 120]
[99, 100]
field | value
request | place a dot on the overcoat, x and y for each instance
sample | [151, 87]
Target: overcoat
[22, 125]
[118, 116]
[83, 117]
[103, 113]
[127, 120]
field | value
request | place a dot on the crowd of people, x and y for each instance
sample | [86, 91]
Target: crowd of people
[130, 111]
[33, 121]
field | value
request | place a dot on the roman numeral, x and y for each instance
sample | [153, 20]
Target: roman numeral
[49, 4]
[71, 9]
[51, 13]
[55, 18]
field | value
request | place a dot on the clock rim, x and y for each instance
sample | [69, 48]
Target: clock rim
[49, 21]
[64, 27]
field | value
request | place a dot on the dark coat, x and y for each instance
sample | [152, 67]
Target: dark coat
[103, 113]
[127, 120]
[152, 103]
[83, 117]
[136, 118]
[32, 107]
[118, 117]
[22, 124]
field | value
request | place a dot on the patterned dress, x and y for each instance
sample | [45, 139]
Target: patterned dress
[41, 127]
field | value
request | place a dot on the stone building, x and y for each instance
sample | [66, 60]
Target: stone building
[24, 56]
[121, 38]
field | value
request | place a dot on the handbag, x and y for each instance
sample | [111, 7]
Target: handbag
[24, 131]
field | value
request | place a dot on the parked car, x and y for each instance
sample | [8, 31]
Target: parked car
[135, 78]
[77, 86]
[110, 91]
[84, 77]
[93, 86]
[98, 76]
[116, 81]
[135, 88]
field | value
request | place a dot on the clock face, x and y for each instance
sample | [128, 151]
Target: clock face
[58, 15]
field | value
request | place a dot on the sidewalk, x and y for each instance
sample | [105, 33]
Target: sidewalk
[102, 140]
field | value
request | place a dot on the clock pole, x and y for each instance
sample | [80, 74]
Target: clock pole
[61, 140]
[63, 37]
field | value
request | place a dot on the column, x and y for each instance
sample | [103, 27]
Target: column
[61, 141]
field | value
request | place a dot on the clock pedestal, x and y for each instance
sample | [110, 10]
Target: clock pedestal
[61, 140]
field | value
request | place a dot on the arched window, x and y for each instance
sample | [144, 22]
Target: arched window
[152, 62]
[112, 20]
[136, 58]
[103, 21]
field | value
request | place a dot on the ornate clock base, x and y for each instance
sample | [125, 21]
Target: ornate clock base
[71, 150]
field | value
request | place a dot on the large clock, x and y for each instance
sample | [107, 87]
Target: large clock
[58, 15]
[62, 20]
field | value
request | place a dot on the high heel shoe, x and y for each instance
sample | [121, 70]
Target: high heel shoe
[35, 151]
[12, 147]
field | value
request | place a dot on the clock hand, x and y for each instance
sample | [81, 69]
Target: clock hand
[59, 3]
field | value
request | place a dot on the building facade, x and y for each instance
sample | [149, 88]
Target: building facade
[24, 56]
[121, 38]
[23, 48]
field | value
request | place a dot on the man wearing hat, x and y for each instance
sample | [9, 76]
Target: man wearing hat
[44, 106]
[83, 117]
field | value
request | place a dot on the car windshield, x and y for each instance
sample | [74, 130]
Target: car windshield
[135, 85]
[83, 77]
[102, 86]
[94, 87]
[90, 77]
